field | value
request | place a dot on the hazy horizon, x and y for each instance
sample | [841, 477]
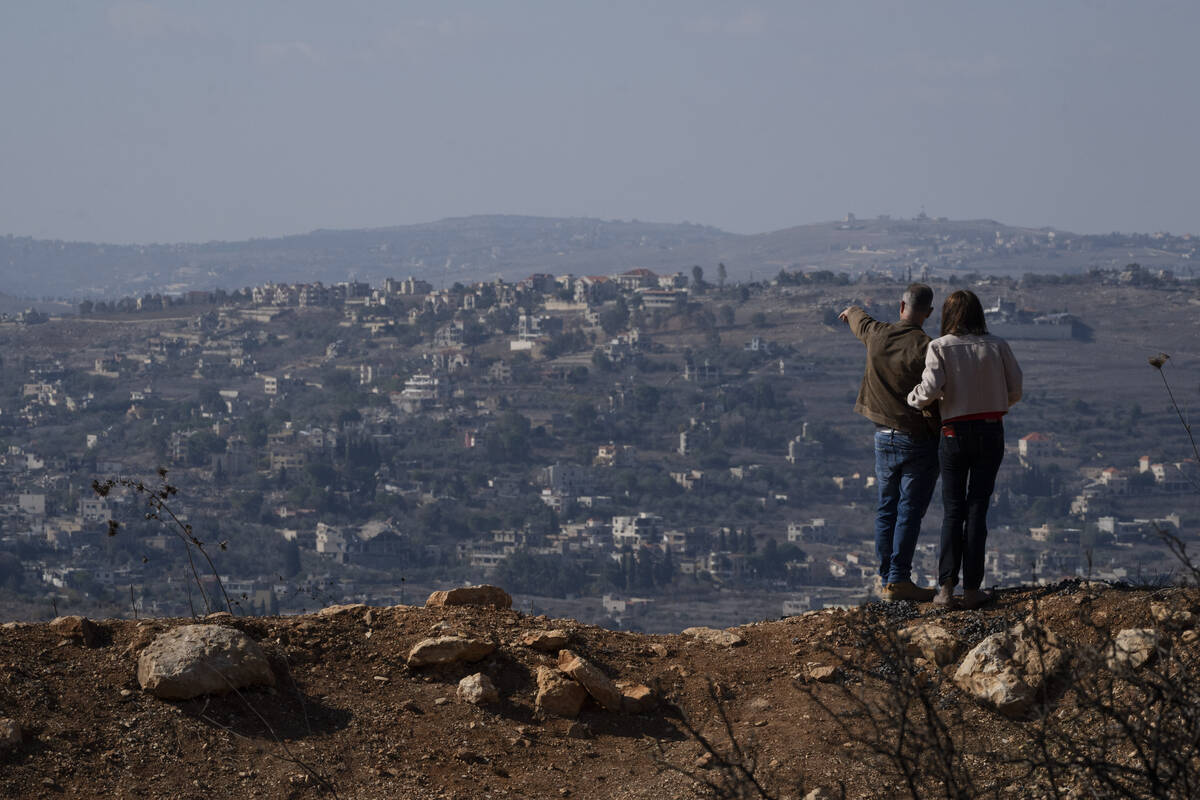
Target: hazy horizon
[137, 122]
[831, 220]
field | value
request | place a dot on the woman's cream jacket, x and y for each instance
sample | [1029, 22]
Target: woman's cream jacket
[969, 374]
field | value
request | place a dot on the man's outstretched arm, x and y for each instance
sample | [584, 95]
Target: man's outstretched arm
[861, 323]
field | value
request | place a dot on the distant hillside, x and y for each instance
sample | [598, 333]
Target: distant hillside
[484, 247]
[465, 249]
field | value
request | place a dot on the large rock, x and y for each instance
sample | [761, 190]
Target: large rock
[721, 638]
[471, 596]
[932, 642]
[342, 608]
[1010, 670]
[1131, 648]
[78, 629]
[821, 673]
[546, 641]
[448, 650]
[10, 734]
[478, 689]
[557, 694]
[637, 698]
[1169, 617]
[591, 678]
[192, 660]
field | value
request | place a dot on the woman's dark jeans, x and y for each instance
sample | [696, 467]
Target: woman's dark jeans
[970, 453]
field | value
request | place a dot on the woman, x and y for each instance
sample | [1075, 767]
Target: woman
[976, 379]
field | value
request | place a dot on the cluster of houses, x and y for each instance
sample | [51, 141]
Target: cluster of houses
[569, 490]
[221, 340]
[1007, 320]
[558, 293]
[1103, 487]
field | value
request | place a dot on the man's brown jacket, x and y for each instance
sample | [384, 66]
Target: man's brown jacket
[895, 359]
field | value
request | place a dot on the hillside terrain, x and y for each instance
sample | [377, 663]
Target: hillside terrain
[347, 452]
[512, 247]
[809, 701]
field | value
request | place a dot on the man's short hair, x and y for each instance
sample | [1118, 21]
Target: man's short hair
[919, 297]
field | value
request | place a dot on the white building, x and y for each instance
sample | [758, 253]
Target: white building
[644, 529]
[93, 509]
[33, 505]
[1034, 448]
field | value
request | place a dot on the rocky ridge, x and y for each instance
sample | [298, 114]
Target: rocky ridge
[478, 700]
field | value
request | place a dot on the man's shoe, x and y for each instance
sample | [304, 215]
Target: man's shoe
[945, 597]
[974, 598]
[906, 590]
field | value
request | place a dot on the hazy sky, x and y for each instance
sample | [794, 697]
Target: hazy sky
[173, 121]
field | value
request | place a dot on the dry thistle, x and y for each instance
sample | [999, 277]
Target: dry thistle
[157, 508]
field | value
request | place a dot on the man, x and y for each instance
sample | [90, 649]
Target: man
[906, 443]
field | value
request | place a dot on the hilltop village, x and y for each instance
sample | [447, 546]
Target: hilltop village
[636, 449]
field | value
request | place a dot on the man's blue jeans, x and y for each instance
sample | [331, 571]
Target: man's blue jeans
[907, 471]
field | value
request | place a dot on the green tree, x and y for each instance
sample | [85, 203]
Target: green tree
[583, 414]
[646, 398]
[510, 441]
[248, 505]
[320, 473]
[614, 318]
[254, 428]
[210, 398]
[291, 558]
[201, 445]
[601, 361]
[12, 573]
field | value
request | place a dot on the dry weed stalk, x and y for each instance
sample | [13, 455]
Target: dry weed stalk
[159, 509]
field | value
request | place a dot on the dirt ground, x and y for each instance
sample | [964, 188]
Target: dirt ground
[349, 719]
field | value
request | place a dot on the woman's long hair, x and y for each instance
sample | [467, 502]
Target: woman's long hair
[962, 313]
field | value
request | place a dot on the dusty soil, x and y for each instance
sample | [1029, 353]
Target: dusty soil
[349, 717]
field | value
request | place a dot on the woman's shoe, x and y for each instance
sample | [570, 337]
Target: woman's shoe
[974, 598]
[945, 597]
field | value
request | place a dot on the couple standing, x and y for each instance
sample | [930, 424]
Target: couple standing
[932, 402]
